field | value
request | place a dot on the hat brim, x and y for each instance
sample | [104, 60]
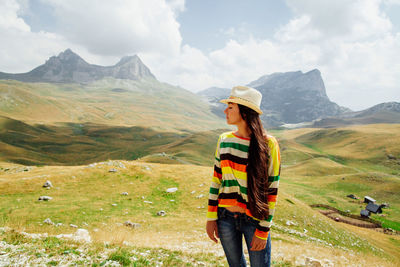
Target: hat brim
[242, 102]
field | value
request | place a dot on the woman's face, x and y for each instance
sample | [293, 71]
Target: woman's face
[233, 114]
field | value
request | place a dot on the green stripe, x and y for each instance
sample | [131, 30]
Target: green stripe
[229, 183]
[273, 178]
[217, 159]
[237, 146]
[214, 191]
[270, 218]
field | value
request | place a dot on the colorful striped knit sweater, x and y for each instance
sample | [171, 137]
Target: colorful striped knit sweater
[229, 182]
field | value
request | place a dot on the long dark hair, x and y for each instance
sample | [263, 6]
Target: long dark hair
[258, 163]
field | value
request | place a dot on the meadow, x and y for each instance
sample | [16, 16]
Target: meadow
[320, 166]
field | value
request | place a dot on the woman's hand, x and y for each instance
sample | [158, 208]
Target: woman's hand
[212, 230]
[257, 244]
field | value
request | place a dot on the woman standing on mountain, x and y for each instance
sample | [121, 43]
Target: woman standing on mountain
[245, 182]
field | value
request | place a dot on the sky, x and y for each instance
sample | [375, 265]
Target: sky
[197, 44]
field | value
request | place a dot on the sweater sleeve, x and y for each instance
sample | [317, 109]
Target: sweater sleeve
[274, 171]
[215, 185]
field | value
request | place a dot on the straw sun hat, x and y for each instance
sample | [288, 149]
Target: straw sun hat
[245, 96]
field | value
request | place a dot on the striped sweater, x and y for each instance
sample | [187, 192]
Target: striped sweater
[229, 182]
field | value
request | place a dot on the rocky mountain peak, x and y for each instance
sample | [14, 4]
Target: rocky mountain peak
[69, 67]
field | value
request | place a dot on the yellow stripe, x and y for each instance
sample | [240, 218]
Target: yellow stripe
[212, 215]
[237, 174]
[216, 180]
[271, 205]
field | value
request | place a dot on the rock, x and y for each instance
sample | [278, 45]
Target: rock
[132, 224]
[352, 196]
[289, 223]
[81, 235]
[3, 253]
[193, 192]
[58, 224]
[200, 196]
[113, 204]
[47, 184]
[390, 156]
[113, 170]
[124, 193]
[172, 190]
[161, 213]
[312, 262]
[73, 225]
[48, 221]
[45, 198]
[148, 202]
[337, 219]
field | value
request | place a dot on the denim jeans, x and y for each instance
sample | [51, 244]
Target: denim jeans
[232, 226]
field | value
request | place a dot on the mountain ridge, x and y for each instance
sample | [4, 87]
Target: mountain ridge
[69, 67]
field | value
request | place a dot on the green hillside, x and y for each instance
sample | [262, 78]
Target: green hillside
[145, 103]
[75, 144]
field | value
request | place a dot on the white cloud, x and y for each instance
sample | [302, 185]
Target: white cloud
[120, 27]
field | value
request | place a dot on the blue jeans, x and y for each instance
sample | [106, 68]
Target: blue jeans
[231, 227]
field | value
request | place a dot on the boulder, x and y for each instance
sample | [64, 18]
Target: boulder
[47, 184]
[45, 198]
[161, 213]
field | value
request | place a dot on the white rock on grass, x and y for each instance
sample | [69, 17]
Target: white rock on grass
[48, 221]
[45, 198]
[312, 262]
[81, 235]
[200, 196]
[148, 202]
[172, 190]
[73, 225]
[132, 224]
[48, 184]
[124, 193]
[114, 204]
[161, 213]
[113, 170]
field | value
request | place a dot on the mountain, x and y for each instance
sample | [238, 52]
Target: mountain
[290, 97]
[388, 112]
[69, 67]
[67, 89]
[295, 97]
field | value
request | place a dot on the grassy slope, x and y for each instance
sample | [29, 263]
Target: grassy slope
[146, 103]
[75, 201]
[74, 144]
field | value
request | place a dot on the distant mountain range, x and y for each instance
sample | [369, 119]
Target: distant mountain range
[295, 97]
[77, 91]
[67, 89]
[69, 67]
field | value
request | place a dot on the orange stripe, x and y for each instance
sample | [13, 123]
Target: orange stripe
[231, 202]
[271, 198]
[212, 208]
[233, 165]
[261, 234]
[218, 175]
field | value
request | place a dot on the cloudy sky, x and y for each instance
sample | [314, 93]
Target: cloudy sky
[197, 44]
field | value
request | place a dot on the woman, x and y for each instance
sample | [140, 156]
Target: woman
[245, 182]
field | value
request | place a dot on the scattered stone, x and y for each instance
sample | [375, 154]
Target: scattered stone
[289, 223]
[81, 235]
[193, 192]
[148, 202]
[45, 198]
[113, 170]
[58, 224]
[172, 190]
[48, 221]
[113, 204]
[3, 253]
[312, 262]
[352, 196]
[147, 168]
[200, 196]
[337, 219]
[161, 213]
[124, 193]
[73, 225]
[47, 184]
[390, 156]
[348, 211]
[201, 185]
[305, 231]
[172, 200]
[132, 224]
